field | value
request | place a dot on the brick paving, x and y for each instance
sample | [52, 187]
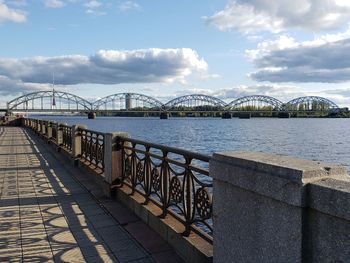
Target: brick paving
[48, 216]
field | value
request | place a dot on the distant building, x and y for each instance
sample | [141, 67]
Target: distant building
[128, 104]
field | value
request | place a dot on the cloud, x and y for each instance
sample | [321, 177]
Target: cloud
[9, 14]
[53, 3]
[128, 5]
[93, 8]
[324, 59]
[10, 87]
[93, 4]
[106, 67]
[250, 16]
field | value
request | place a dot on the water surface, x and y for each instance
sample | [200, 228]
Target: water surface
[313, 139]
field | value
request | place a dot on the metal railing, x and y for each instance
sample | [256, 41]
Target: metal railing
[66, 136]
[92, 148]
[177, 181]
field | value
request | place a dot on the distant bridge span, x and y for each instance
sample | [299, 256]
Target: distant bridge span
[255, 102]
[54, 101]
[58, 101]
[127, 101]
[195, 100]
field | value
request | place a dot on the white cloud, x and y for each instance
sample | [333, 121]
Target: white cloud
[129, 5]
[10, 86]
[249, 16]
[53, 3]
[106, 67]
[324, 59]
[93, 4]
[9, 14]
[93, 8]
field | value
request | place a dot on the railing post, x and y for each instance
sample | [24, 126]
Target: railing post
[39, 126]
[49, 131]
[113, 156]
[43, 128]
[261, 205]
[76, 143]
[59, 136]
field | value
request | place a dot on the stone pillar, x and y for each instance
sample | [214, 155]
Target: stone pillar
[49, 131]
[112, 156]
[39, 127]
[59, 134]
[43, 128]
[76, 142]
[260, 205]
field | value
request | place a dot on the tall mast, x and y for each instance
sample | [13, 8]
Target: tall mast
[53, 91]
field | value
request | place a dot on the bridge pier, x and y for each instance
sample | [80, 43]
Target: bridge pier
[244, 115]
[226, 115]
[283, 115]
[164, 115]
[91, 115]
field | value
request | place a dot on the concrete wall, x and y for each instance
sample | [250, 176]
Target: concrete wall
[271, 208]
[328, 231]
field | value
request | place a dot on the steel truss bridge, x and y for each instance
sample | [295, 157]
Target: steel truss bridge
[60, 102]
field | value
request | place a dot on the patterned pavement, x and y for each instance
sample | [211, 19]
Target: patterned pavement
[47, 216]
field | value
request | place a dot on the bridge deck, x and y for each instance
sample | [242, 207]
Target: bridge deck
[46, 215]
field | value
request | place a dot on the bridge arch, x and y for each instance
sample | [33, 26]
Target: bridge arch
[255, 102]
[196, 101]
[310, 103]
[127, 101]
[49, 100]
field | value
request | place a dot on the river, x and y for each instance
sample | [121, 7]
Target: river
[313, 139]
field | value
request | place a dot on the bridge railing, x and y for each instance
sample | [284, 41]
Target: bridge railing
[175, 180]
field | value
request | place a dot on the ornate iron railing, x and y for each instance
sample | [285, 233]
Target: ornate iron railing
[175, 180]
[66, 136]
[92, 148]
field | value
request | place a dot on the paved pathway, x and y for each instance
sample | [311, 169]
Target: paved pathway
[47, 216]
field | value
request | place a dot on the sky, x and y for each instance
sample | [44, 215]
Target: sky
[165, 49]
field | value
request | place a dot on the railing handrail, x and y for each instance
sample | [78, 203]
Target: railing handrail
[169, 149]
[92, 131]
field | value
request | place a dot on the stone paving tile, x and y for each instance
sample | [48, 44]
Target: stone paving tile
[47, 216]
[147, 238]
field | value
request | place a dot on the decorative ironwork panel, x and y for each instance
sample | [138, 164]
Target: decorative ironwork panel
[66, 137]
[54, 131]
[92, 148]
[175, 180]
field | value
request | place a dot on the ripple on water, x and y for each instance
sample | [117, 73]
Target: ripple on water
[313, 139]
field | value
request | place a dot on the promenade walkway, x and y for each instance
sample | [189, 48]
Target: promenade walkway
[46, 215]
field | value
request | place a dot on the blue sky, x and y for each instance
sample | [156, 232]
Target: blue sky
[224, 48]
